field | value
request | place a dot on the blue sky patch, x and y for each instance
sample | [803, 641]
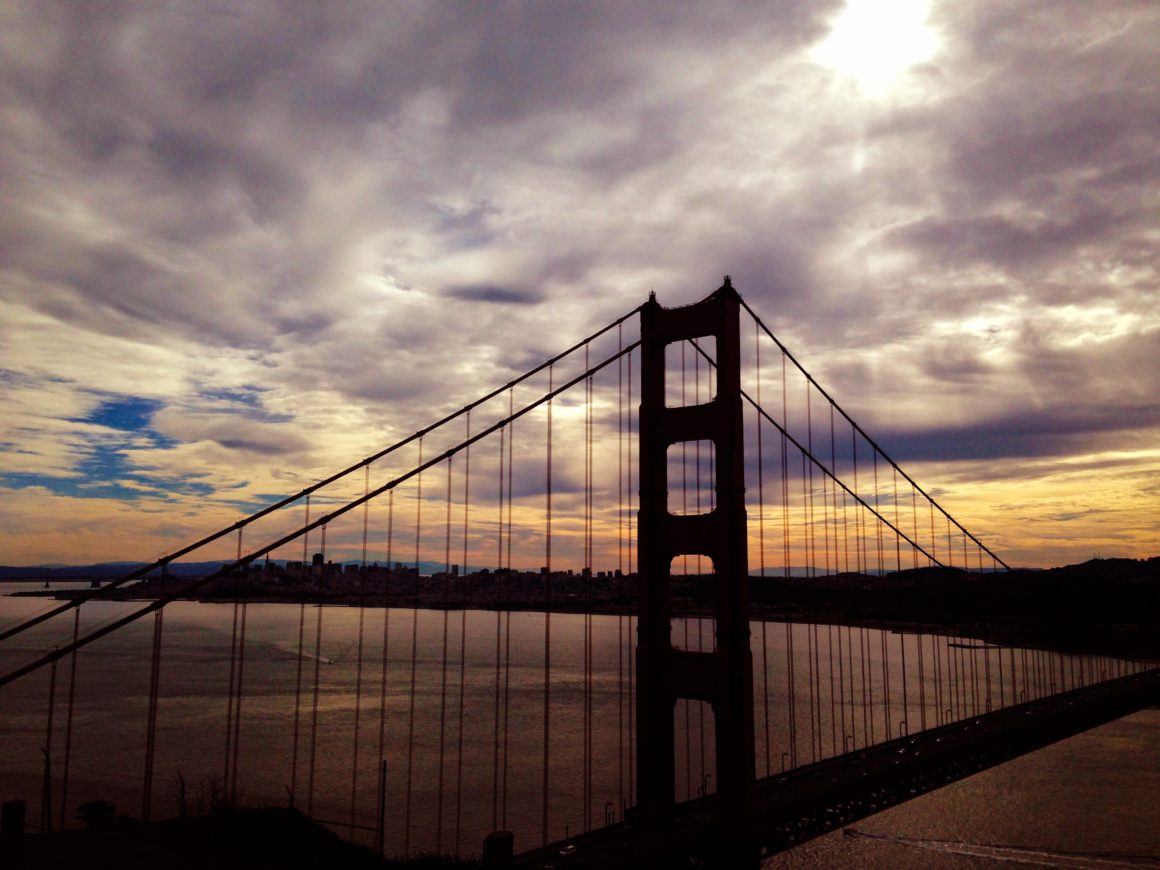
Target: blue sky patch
[248, 401]
[105, 470]
[130, 414]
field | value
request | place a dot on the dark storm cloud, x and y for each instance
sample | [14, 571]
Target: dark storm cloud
[995, 239]
[1042, 432]
[486, 293]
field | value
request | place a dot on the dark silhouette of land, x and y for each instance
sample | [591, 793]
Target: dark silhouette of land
[227, 838]
[1107, 606]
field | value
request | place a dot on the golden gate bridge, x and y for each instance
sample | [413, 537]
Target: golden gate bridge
[552, 648]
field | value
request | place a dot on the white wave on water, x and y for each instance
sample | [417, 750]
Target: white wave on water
[1016, 854]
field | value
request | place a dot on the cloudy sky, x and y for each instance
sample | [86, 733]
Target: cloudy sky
[242, 244]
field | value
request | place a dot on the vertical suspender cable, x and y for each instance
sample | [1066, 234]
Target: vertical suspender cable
[877, 518]
[238, 703]
[987, 676]
[898, 564]
[905, 702]
[863, 566]
[806, 536]
[914, 526]
[897, 523]
[952, 691]
[685, 703]
[588, 609]
[832, 486]
[845, 501]
[359, 661]
[950, 546]
[787, 558]
[631, 636]
[382, 804]
[961, 673]
[938, 698]
[46, 788]
[933, 536]
[507, 616]
[414, 659]
[808, 499]
[833, 692]
[586, 789]
[837, 569]
[761, 545]
[226, 766]
[298, 675]
[620, 803]
[850, 685]
[861, 562]
[921, 686]
[462, 641]
[151, 728]
[825, 509]
[885, 681]
[1002, 694]
[317, 683]
[947, 706]
[68, 722]
[882, 633]
[498, 638]
[443, 670]
[547, 616]
[233, 777]
[867, 683]
[974, 682]
[950, 695]
[697, 444]
[230, 702]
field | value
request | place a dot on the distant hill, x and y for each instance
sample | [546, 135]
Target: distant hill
[1129, 570]
[100, 571]
[113, 570]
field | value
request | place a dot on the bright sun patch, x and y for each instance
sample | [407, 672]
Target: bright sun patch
[874, 43]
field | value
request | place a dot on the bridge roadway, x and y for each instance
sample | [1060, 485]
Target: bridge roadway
[808, 801]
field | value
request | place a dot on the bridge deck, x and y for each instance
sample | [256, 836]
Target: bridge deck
[796, 806]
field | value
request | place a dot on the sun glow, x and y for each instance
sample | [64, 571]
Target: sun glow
[874, 43]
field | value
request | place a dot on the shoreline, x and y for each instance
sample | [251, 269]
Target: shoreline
[1119, 641]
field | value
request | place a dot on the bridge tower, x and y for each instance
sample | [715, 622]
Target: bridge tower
[723, 678]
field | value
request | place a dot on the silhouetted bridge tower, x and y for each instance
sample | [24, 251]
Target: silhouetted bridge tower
[533, 641]
[724, 676]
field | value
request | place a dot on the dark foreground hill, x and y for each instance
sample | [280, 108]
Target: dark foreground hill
[228, 839]
[1104, 605]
